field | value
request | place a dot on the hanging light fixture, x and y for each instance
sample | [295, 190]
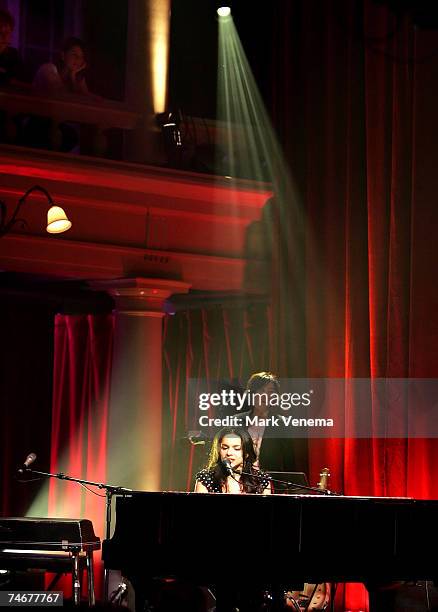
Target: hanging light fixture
[57, 220]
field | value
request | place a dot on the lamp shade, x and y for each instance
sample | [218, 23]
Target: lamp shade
[57, 220]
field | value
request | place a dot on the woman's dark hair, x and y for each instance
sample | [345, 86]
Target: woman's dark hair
[249, 484]
[71, 42]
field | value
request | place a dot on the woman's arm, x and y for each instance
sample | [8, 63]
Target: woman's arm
[268, 489]
[47, 80]
[200, 488]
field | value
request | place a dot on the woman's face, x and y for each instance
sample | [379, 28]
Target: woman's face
[74, 58]
[231, 448]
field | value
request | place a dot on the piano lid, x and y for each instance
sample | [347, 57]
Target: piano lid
[38, 533]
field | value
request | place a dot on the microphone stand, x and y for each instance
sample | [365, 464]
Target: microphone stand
[291, 485]
[110, 490]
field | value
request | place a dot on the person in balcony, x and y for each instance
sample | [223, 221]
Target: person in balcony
[11, 68]
[10, 63]
[65, 80]
[68, 76]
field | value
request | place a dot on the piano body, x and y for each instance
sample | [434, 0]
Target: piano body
[55, 545]
[294, 538]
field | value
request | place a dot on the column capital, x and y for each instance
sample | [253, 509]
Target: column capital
[140, 296]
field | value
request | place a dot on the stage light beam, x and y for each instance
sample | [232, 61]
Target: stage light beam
[248, 146]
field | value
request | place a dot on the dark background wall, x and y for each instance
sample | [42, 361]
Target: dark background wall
[26, 363]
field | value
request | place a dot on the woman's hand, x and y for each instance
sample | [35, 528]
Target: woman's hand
[77, 77]
[76, 71]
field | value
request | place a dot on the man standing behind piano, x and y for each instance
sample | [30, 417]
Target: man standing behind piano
[279, 452]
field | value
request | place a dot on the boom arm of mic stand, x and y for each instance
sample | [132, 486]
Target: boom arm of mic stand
[293, 485]
[62, 476]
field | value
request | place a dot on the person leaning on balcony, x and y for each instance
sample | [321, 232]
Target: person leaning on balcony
[10, 63]
[11, 67]
[65, 79]
[68, 77]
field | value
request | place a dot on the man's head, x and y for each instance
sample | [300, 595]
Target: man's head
[260, 379]
[262, 386]
[6, 27]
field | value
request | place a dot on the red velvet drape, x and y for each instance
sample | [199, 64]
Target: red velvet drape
[355, 106]
[363, 161]
[81, 383]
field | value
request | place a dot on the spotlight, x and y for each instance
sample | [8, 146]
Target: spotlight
[224, 11]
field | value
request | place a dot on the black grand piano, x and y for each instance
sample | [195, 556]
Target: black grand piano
[299, 538]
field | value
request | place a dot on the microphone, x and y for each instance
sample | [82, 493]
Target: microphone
[227, 466]
[29, 460]
[197, 437]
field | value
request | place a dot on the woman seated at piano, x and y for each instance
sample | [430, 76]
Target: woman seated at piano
[230, 467]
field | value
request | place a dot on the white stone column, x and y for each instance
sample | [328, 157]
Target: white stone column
[135, 419]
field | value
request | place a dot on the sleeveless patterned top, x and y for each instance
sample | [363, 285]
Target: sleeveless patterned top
[206, 477]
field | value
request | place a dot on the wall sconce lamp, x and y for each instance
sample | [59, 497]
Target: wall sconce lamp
[57, 220]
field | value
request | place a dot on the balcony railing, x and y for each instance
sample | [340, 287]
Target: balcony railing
[93, 116]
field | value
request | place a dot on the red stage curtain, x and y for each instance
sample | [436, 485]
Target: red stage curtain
[81, 383]
[354, 105]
